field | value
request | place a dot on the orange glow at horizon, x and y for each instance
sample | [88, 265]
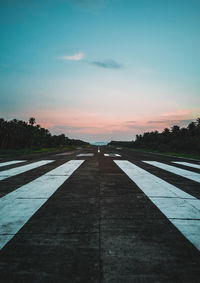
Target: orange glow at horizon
[74, 121]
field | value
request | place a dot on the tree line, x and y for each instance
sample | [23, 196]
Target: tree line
[176, 139]
[18, 134]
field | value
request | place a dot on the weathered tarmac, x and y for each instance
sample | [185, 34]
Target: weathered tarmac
[99, 226]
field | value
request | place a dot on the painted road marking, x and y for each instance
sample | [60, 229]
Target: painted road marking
[182, 209]
[65, 153]
[11, 162]
[85, 154]
[178, 171]
[17, 207]
[112, 155]
[98, 149]
[18, 170]
[187, 164]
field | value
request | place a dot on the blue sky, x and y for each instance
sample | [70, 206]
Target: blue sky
[100, 70]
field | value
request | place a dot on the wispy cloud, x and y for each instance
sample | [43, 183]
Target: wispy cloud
[179, 113]
[140, 127]
[75, 57]
[71, 128]
[107, 64]
[180, 122]
[131, 122]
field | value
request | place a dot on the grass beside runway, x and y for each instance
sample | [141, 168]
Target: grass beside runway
[6, 153]
[175, 154]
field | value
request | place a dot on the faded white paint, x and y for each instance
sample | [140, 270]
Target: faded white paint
[65, 153]
[190, 229]
[11, 162]
[187, 164]
[178, 171]
[18, 170]
[85, 154]
[112, 155]
[17, 207]
[182, 209]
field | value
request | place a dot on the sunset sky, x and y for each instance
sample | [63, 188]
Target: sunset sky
[100, 70]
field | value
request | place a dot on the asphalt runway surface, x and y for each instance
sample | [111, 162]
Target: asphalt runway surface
[107, 215]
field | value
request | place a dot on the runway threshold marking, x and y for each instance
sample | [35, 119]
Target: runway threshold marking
[112, 155]
[65, 153]
[182, 209]
[18, 170]
[85, 154]
[17, 207]
[178, 171]
[11, 162]
[187, 164]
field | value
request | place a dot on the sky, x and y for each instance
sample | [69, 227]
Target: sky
[100, 70]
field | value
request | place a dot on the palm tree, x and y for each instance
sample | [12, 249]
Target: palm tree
[31, 121]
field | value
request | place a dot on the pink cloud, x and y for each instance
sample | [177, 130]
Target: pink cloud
[176, 113]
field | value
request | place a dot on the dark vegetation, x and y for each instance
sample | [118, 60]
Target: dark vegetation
[175, 139]
[18, 134]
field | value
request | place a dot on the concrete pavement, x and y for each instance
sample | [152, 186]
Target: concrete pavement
[101, 223]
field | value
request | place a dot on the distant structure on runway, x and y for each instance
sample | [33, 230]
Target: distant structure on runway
[99, 143]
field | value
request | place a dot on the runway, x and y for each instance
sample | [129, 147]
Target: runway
[99, 215]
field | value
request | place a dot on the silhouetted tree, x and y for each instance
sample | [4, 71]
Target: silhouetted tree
[19, 134]
[177, 139]
[31, 121]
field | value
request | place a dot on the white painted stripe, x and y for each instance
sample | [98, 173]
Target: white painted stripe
[147, 180]
[18, 170]
[17, 207]
[182, 209]
[190, 229]
[11, 162]
[85, 154]
[98, 149]
[65, 153]
[112, 155]
[178, 171]
[187, 164]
